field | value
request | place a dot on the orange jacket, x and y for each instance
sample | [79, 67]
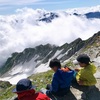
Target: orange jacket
[65, 69]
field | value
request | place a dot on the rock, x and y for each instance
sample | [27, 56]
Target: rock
[86, 93]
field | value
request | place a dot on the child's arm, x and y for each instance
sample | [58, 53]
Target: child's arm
[77, 69]
[55, 85]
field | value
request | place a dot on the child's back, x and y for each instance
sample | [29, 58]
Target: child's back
[87, 75]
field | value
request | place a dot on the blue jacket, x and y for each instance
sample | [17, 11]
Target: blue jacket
[61, 81]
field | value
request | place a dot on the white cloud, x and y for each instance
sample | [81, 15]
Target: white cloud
[18, 2]
[54, 2]
[21, 30]
[8, 6]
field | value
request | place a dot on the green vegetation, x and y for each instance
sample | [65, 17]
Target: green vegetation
[4, 85]
[7, 94]
[39, 80]
[5, 90]
[69, 63]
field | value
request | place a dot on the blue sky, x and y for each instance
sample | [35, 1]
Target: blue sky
[10, 6]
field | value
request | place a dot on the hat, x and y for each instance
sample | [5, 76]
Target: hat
[83, 58]
[23, 85]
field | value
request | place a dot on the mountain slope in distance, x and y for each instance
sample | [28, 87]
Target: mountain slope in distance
[35, 60]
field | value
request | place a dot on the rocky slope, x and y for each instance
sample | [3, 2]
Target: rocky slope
[33, 60]
[92, 49]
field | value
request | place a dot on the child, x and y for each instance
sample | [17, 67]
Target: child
[61, 80]
[25, 91]
[85, 75]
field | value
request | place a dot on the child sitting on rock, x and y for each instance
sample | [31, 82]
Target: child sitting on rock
[61, 81]
[85, 75]
[26, 91]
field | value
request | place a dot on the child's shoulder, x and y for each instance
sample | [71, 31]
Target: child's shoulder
[92, 65]
[90, 68]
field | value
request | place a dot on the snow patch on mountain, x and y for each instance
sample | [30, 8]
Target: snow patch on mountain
[60, 56]
[68, 51]
[20, 71]
[24, 70]
[57, 53]
[42, 68]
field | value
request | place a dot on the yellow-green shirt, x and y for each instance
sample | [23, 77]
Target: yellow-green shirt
[86, 75]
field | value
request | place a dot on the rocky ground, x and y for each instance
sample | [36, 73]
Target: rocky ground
[92, 93]
[85, 93]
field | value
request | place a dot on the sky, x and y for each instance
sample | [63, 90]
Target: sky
[10, 6]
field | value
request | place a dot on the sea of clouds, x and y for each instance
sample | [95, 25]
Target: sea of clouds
[22, 30]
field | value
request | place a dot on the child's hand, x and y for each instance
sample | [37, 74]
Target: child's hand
[80, 82]
[77, 69]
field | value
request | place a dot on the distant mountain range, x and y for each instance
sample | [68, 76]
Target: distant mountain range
[48, 16]
[52, 16]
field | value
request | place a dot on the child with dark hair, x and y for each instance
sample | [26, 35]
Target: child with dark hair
[61, 81]
[85, 75]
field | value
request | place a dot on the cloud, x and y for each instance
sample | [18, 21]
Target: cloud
[22, 30]
[9, 6]
[18, 2]
[53, 2]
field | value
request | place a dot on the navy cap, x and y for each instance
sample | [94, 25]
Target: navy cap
[23, 85]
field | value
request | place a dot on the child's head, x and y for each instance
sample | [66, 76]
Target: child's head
[83, 60]
[55, 64]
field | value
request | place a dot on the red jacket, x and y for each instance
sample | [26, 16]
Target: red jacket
[31, 95]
